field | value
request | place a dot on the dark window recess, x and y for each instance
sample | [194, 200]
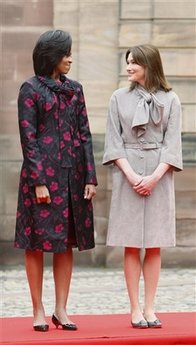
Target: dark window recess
[189, 148]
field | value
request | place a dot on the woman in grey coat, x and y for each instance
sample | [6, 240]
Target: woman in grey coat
[143, 143]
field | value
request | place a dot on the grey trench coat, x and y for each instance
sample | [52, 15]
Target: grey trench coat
[146, 129]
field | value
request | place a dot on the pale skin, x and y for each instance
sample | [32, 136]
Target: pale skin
[62, 262]
[133, 265]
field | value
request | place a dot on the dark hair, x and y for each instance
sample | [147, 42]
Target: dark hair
[50, 48]
[148, 56]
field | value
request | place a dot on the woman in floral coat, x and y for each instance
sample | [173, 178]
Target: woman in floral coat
[58, 176]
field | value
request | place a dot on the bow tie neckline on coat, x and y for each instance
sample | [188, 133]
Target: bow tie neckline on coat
[148, 107]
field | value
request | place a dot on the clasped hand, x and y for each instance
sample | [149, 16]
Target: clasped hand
[145, 185]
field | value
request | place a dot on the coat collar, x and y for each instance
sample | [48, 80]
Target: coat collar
[59, 87]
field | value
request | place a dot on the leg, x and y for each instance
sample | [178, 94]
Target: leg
[34, 270]
[62, 270]
[151, 271]
[132, 269]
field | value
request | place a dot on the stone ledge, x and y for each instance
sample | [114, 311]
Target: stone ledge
[102, 256]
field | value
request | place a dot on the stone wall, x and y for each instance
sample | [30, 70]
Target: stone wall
[102, 30]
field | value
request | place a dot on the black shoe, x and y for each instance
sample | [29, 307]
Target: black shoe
[140, 324]
[67, 326]
[41, 328]
[154, 324]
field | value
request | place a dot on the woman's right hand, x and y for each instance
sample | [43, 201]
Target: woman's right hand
[42, 195]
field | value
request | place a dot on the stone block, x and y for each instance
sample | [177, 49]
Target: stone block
[97, 91]
[9, 124]
[100, 204]
[97, 123]
[66, 13]
[174, 9]
[189, 118]
[17, 69]
[101, 224]
[2, 190]
[136, 9]
[98, 146]
[185, 205]
[27, 13]
[7, 227]
[186, 232]
[179, 257]
[109, 178]
[134, 32]
[83, 258]
[21, 40]
[10, 148]
[11, 172]
[188, 150]
[175, 62]
[102, 176]
[114, 257]
[185, 89]
[186, 179]
[173, 33]
[9, 255]
[98, 256]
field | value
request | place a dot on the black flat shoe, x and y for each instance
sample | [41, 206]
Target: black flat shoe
[67, 326]
[140, 324]
[154, 324]
[41, 328]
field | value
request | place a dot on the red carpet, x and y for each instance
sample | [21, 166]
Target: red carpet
[178, 329]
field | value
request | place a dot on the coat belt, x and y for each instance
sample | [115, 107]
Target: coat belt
[142, 146]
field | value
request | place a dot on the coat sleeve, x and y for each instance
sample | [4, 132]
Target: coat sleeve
[86, 140]
[171, 152]
[27, 118]
[114, 146]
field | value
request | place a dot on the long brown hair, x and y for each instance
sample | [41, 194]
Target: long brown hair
[148, 56]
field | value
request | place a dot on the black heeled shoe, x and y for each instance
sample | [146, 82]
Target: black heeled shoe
[141, 324]
[41, 328]
[66, 326]
[154, 324]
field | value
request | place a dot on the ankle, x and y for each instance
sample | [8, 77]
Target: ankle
[149, 314]
[137, 315]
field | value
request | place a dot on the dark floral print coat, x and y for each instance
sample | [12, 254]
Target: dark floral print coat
[57, 151]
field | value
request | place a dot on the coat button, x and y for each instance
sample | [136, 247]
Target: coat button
[142, 140]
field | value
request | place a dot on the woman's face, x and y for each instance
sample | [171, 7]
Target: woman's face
[136, 73]
[63, 66]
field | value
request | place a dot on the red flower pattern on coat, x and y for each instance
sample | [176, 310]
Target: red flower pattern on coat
[54, 186]
[59, 228]
[24, 123]
[57, 200]
[47, 245]
[50, 171]
[44, 213]
[47, 140]
[29, 102]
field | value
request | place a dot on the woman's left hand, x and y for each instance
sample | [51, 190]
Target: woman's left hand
[89, 191]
